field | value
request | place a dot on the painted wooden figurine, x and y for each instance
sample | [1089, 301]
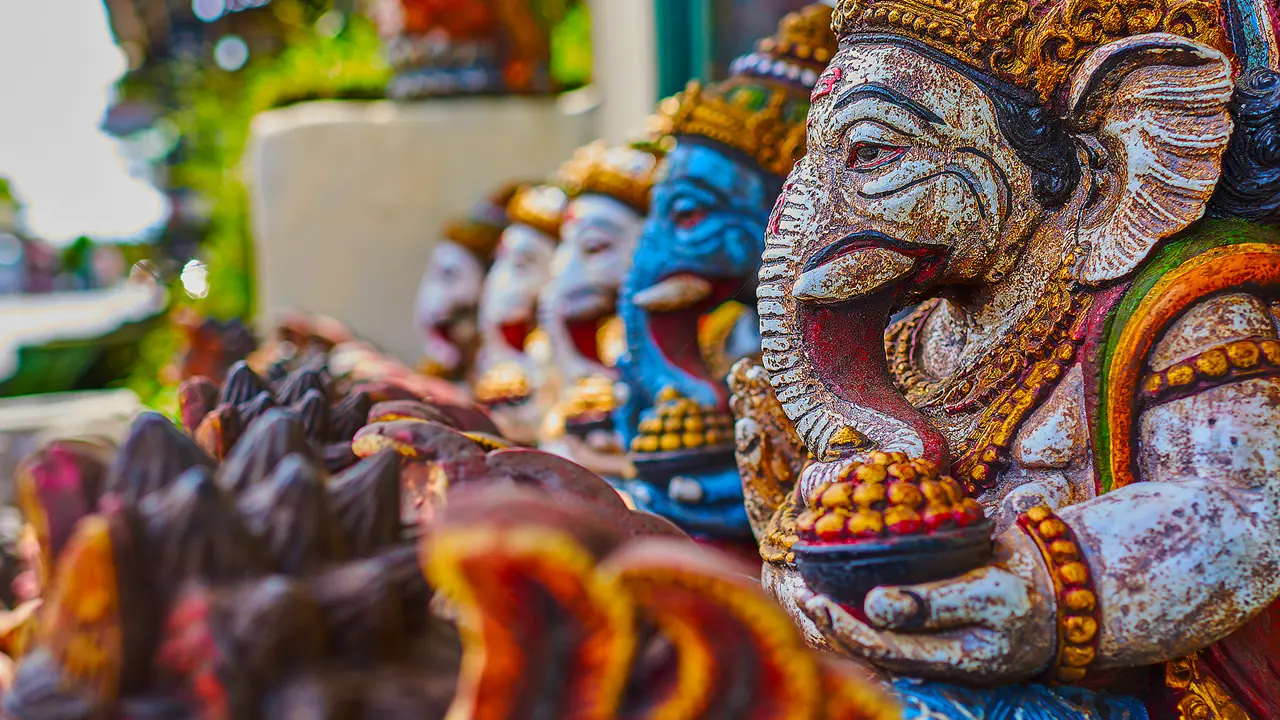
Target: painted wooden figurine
[450, 291]
[513, 351]
[267, 589]
[1024, 264]
[732, 142]
[608, 190]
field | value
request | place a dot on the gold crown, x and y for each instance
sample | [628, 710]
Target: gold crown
[480, 231]
[803, 35]
[623, 173]
[541, 207]
[1032, 44]
[763, 119]
[760, 110]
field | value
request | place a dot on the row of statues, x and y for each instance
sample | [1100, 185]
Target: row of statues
[1024, 246]
[960, 319]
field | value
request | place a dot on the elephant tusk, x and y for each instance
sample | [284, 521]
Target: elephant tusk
[674, 293]
[850, 276]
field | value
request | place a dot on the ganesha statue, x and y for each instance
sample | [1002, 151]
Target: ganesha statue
[513, 356]
[449, 294]
[730, 145]
[608, 189]
[1019, 310]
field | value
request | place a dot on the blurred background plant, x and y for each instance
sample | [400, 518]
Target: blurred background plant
[265, 55]
[324, 54]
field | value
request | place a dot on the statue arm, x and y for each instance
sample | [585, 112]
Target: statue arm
[1178, 561]
[1188, 555]
[1177, 565]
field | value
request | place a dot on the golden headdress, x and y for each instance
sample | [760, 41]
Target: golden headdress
[480, 231]
[1029, 43]
[623, 173]
[541, 207]
[760, 109]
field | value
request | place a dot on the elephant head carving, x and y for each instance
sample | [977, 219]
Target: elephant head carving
[927, 178]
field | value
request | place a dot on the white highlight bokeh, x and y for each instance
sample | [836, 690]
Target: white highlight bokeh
[58, 62]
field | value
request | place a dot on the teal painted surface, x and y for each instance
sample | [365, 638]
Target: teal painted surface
[684, 37]
[697, 39]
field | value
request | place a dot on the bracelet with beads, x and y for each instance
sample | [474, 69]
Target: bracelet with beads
[1077, 599]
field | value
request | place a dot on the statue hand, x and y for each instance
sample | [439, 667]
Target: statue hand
[768, 449]
[993, 625]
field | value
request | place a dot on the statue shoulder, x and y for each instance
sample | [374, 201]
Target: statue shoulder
[1195, 318]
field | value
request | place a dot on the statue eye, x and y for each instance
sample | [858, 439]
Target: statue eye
[690, 218]
[595, 247]
[868, 156]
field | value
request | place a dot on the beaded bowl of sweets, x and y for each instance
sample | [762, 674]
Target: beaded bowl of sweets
[888, 520]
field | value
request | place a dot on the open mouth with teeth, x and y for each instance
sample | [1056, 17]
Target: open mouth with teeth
[677, 306]
[585, 311]
[447, 348]
[516, 333]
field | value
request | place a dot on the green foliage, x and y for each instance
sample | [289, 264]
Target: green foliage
[215, 109]
[571, 48]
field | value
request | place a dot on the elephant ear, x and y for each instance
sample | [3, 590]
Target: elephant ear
[1152, 110]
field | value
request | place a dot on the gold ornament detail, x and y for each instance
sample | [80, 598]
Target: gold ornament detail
[541, 207]
[590, 397]
[503, 384]
[481, 230]
[1009, 381]
[780, 535]
[678, 423]
[611, 341]
[773, 134]
[804, 35]
[714, 333]
[769, 451]
[1034, 49]
[1232, 362]
[623, 173]
[1201, 697]
[1079, 617]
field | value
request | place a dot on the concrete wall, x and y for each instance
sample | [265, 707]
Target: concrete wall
[347, 198]
[626, 66]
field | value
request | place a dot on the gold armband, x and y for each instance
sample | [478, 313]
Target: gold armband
[1077, 599]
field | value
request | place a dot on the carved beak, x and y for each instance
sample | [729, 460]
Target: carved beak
[674, 293]
[853, 275]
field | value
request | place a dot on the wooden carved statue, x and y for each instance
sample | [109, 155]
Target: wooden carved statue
[211, 346]
[730, 145]
[608, 190]
[1021, 278]
[267, 589]
[449, 294]
[513, 352]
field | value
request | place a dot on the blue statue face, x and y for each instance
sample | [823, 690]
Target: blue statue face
[700, 247]
[708, 216]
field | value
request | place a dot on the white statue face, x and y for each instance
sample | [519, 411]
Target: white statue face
[913, 151]
[521, 269]
[599, 237]
[447, 301]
